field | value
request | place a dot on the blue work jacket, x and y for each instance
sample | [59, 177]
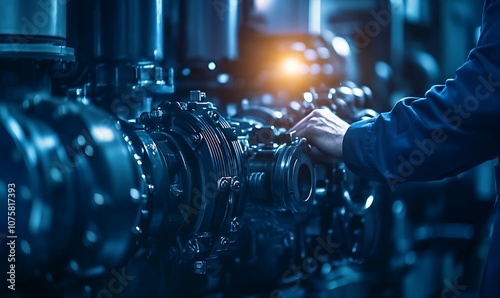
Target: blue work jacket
[453, 128]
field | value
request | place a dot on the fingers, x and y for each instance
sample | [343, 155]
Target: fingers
[324, 131]
[310, 121]
[300, 127]
[316, 123]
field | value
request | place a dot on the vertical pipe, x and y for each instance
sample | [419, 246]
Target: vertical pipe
[211, 30]
[128, 30]
[34, 31]
[28, 21]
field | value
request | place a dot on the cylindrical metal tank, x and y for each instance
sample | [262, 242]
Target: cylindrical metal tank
[128, 30]
[211, 29]
[28, 21]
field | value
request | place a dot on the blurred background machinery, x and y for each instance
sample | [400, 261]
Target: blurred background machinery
[131, 182]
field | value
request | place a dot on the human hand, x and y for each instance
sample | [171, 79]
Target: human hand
[325, 132]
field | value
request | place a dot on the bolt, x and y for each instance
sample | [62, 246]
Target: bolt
[150, 189]
[196, 96]
[214, 116]
[224, 243]
[235, 184]
[195, 140]
[235, 225]
[89, 150]
[223, 184]
[200, 267]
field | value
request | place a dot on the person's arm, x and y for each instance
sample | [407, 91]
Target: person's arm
[453, 128]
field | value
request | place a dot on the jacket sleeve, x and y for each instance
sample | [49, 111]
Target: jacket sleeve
[451, 129]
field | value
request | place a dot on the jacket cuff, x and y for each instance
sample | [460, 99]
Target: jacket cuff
[356, 147]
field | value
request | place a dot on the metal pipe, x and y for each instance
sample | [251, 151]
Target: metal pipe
[128, 30]
[28, 21]
[211, 30]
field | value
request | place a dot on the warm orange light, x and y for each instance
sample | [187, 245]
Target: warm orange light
[291, 66]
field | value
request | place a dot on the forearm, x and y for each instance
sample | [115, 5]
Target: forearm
[450, 130]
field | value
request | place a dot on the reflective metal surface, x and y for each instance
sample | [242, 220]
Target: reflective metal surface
[128, 185]
[128, 30]
[33, 21]
[211, 32]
